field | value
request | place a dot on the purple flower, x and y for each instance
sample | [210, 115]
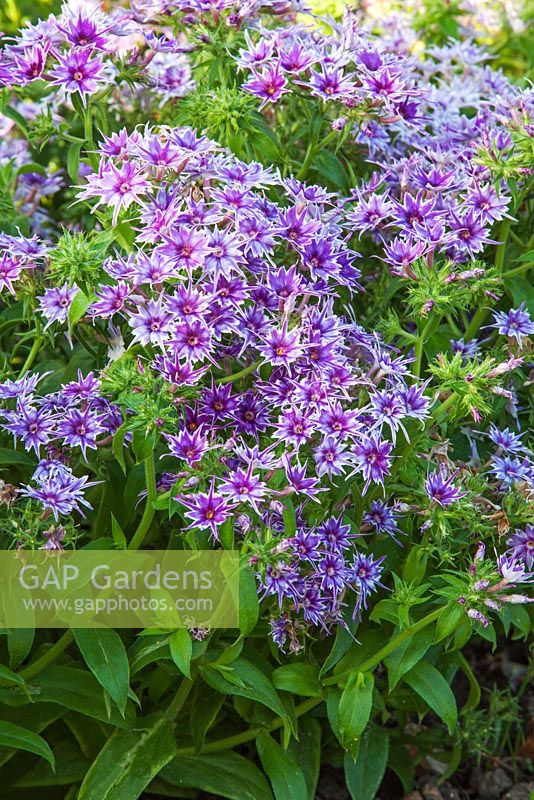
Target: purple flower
[79, 70]
[401, 253]
[339, 422]
[34, 426]
[59, 490]
[30, 63]
[373, 460]
[206, 510]
[388, 408]
[512, 571]
[330, 458]
[295, 426]
[515, 323]
[470, 234]
[416, 405]
[469, 349]
[281, 347]
[365, 576]
[279, 580]
[193, 340]
[510, 470]
[296, 477]
[333, 573]
[306, 544]
[186, 247]
[189, 447]
[441, 488]
[331, 84]
[153, 324]
[335, 534]
[484, 201]
[382, 518]
[243, 487]
[111, 300]
[269, 84]
[80, 429]
[55, 303]
[10, 270]
[118, 187]
[505, 439]
[522, 545]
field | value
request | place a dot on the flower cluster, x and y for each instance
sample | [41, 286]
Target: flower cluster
[212, 303]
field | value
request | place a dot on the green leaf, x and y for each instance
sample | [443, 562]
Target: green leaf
[71, 767]
[245, 680]
[181, 648]
[205, 708]
[13, 736]
[19, 645]
[290, 518]
[407, 654]
[130, 760]
[118, 534]
[448, 621]
[287, 778]
[432, 687]
[105, 655]
[330, 167]
[355, 709]
[343, 640]
[301, 679]
[402, 765]
[117, 445]
[223, 774]
[8, 456]
[474, 696]
[78, 690]
[73, 161]
[249, 607]
[78, 307]
[306, 751]
[364, 775]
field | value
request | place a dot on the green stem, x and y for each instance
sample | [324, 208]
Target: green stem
[312, 151]
[47, 658]
[148, 513]
[34, 350]
[388, 648]
[430, 326]
[179, 699]
[241, 374]
[518, 270]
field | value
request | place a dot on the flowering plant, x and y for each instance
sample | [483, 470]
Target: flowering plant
[263, 280]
